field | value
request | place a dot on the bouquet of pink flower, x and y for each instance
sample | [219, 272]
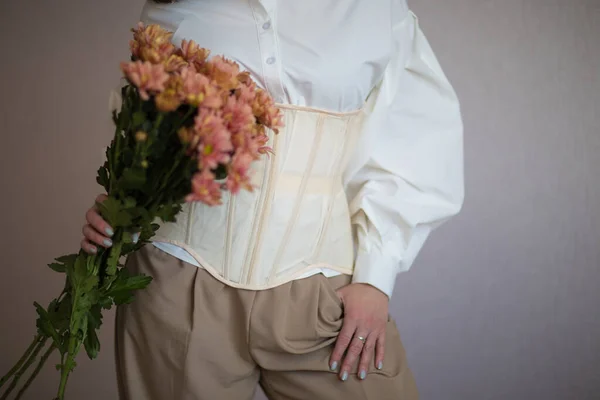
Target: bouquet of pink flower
[187, 129]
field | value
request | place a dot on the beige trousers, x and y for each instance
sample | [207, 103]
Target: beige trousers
[190, 337]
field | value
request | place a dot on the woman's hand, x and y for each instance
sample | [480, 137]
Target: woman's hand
[97, 231]
[363, 331]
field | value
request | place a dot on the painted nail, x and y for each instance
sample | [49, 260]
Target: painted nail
[109, 231]
[334, 365]
[108, 242]
[93, 250]
[380, 365]
[363, 374]
[135, 237]
[345, 376]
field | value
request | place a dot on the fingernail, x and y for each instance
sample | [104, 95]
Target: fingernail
[108, 242]
[109, 231]
[345, 376]
[136, 237]
[363, 374]
[380, 365]
[334, 365]
[93, 250]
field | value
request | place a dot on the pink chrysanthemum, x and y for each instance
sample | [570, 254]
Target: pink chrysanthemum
[205, 189]
[192, 53]
[246, 92]
[265, 111]
[238, 116]
[151, 43]
[199, 90]
[147, 77]
[223, 72]
[238, 174]
[214, 144]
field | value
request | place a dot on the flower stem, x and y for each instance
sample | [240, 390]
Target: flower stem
[36, 371]
[78, 317]
[65, 370]
[16, 367]
[24, 368]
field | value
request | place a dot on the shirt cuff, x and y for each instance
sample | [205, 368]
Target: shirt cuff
[377, 270]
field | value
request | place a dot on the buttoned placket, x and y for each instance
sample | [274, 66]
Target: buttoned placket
[264, 12]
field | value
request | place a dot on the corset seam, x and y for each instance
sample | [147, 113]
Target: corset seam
[228, 236]
[249, 253]
[264, 211]
[335, 114]
[188, 231]
[299, 197]
[331, 198]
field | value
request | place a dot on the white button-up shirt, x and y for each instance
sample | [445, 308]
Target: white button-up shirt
[406, 176]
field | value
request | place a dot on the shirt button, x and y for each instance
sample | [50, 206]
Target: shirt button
[267, 25]
[271, 60]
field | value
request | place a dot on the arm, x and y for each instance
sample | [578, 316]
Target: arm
[405, 180]
[411, 179]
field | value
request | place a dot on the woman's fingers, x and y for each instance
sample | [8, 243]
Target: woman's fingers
[96, 231]
[88, 247]
[342, 343]
[354, 351]
[96, 221]
[366, 357]
[95, 237]
[380, 350]
[100, 198]
[365, 318]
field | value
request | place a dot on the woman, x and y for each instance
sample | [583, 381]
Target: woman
[289, 286]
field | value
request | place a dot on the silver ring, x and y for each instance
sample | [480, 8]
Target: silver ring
[362, 339]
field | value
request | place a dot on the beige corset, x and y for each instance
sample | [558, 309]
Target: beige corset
[296, 219]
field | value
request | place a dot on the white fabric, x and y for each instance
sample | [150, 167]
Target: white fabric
[406, 176]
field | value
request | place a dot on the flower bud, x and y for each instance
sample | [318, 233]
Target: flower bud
[141, 136]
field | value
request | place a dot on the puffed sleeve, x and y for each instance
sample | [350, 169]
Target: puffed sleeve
[406, 177]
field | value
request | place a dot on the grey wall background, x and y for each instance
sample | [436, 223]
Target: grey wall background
[502, 303]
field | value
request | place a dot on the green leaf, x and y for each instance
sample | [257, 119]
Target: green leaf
[68, 259]
[102, 178]
[111, 263]
[127, 157]
[79, 273]
[58, 267]
[133, 178]
[105, 302]
[63, 262]
[113, 212]
[91, 343]
[128, 237]
[138, 118]
[168, 212]
[60, 314]
[122, 288]
[129, 202]
[45, 326]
